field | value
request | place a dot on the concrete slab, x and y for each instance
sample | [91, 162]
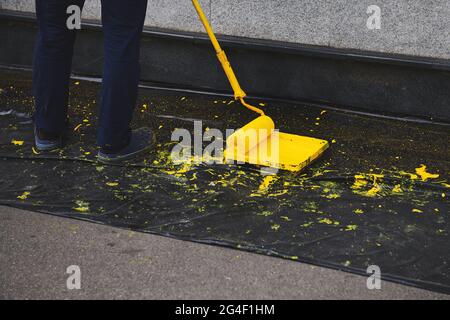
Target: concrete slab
[36, 249]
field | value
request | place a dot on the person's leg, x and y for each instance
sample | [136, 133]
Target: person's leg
[52, 64]
[122, 24]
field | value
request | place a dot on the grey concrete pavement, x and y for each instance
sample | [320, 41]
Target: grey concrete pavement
[36, 249]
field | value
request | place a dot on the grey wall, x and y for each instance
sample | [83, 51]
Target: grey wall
[414, 27]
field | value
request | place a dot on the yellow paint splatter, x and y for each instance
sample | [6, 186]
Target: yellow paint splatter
[417, 211]
[306, 225]
[265, 213]
[374, 191]
[295, 258]
[360, 181]
[325, 221]
[333, 196]
[358, 211]
[82, 206]
[112, 184]
[424, 175]
[77, 127]
[397, 189]
[24, 195]
[412, 176]
[351, 227]
[267, 181]
[286, 218]
[17, 142]
[275, 227]
[277, 194]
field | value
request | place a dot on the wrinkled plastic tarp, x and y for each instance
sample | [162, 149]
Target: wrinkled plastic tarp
[379, 196]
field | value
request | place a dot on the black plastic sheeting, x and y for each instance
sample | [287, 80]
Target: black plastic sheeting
[368, 201]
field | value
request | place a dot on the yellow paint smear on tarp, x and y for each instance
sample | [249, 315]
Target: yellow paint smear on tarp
[82, 206]
[424, 175]
[362, 180]
[24, 195]
[17, 142]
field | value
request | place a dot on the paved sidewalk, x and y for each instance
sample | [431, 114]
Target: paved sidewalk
[36, 249]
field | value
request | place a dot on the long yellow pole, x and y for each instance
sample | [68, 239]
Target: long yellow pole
[239, 94]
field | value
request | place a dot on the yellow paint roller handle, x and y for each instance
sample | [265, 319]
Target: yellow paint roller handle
[239, 94]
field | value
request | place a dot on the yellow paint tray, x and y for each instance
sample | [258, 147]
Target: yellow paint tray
[259, 143]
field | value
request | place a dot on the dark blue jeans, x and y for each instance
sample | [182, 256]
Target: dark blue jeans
[122, 21]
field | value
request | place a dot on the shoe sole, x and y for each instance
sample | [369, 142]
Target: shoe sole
[49, 148]
[129, 156]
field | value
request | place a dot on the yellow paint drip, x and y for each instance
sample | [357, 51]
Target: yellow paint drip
[424, 175]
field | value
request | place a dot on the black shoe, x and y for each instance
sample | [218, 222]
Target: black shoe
[141, 141]
[47, 141]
